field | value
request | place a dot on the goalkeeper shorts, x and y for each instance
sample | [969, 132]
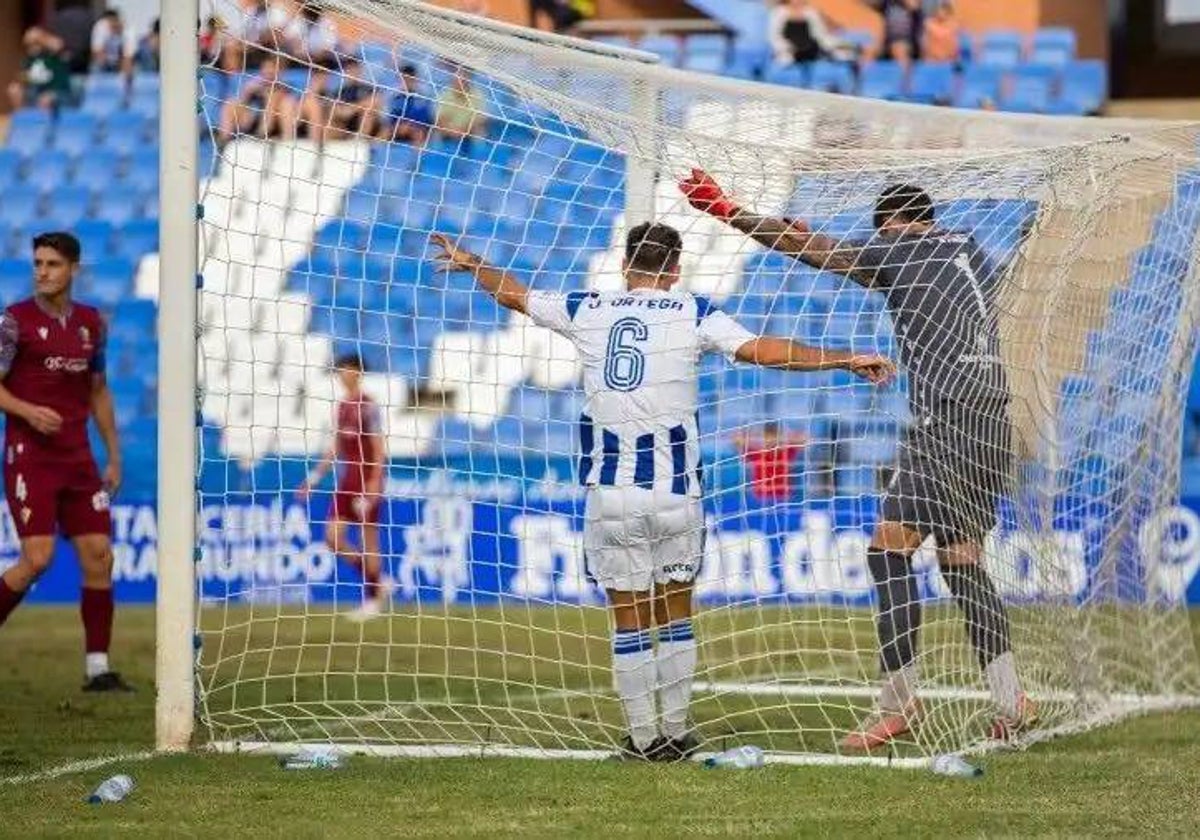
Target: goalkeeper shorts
[634, 537]
[954, 465]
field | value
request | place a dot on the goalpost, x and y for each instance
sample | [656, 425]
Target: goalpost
[312, 243]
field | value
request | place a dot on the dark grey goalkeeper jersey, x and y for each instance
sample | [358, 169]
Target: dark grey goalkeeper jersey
[941, 289]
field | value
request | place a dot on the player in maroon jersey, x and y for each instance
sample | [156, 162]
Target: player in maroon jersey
[53, 380]
[357, 450]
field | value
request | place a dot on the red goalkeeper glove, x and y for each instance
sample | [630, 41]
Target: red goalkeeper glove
[705, 195]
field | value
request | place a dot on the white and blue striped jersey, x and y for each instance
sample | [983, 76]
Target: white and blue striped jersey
[640, 352]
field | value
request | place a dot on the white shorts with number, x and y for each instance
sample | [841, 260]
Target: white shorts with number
[634, 537]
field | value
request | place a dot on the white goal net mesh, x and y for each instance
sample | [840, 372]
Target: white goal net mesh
[328, 176]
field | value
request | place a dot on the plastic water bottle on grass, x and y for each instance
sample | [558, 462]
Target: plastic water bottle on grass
[953, 765]
[738, 758]
[112, 790]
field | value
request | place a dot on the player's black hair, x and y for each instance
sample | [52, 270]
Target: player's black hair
[910, 203]
[350, 361]
[60, 241]
[653, 248]
[408, 70]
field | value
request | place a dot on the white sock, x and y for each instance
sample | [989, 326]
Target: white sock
[899, 689]
[1003, 683]
[676, 659]
[95, 664]
[634, 679]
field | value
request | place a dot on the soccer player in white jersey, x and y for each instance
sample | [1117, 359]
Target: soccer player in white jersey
[640, 460]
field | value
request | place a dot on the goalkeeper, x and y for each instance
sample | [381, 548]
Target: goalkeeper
[954, 460]
[643, 530]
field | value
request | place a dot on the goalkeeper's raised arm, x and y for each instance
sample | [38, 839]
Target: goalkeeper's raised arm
[790, 237]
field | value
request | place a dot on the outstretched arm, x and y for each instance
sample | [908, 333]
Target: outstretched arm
[507, 290]
[791, 238]
[788, 355]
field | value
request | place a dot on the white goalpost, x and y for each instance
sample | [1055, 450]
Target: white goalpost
[295, 232]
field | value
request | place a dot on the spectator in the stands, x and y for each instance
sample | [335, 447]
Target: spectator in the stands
[265, 107]
[560, 15]
[146, 56]
[73, 25]
[44, 81]
[460, 110]
[340, 106]
[798, 33]
[240, 40]
[902, 27]
[112, 47]
[211, 41]
[942, 38]
[311, 36]
[410, 116]
[771, 460]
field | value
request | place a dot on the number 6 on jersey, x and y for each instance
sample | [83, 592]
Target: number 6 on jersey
[625, 364]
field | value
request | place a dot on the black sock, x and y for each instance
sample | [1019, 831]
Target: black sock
[986, 617]
[899, 610]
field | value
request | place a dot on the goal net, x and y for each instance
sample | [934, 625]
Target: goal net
[324, 172]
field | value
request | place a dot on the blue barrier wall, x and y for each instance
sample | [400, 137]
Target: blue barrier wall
[456, 535]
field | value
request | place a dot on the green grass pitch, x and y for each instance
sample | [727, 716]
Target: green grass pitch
[1134, 779]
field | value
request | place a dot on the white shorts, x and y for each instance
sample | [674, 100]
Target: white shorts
[634, 538]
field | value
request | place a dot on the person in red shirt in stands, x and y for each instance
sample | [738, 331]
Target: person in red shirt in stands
[52, 380]
[771, 460]
[357, 450]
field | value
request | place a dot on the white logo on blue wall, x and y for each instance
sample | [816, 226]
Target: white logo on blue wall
[437, 548]
[1170, 547]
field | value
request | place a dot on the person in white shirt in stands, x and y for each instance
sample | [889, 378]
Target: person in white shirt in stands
[112, 46]
[640, 458]
[798, 33]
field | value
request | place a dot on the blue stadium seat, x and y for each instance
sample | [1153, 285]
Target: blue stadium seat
[666, 47]
[144, 84]
[142, 171]
[134, 318]
[931, 82]
[111, 84]
[16, 275]
[859, 39]
[137, 238]
[793, 75]
[881, 80]
[1029, 89]
[95, 239]
[119, 205]
[66, 207]
[1053, 45]
[1084, 88]
[129, 399]
[49, 171]
[108, 282]
[123, 138]
[29, 131]
[97, 170]
[748, 59]
[1000, 48]
[104, 106]
[75, 133]
[833, 76]
[705, 53]
[144, 104]
[618, 41]
[979, 83]
[10, 167]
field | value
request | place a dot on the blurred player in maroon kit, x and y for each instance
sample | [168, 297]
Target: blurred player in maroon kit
[358, 451]
[53, 379]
